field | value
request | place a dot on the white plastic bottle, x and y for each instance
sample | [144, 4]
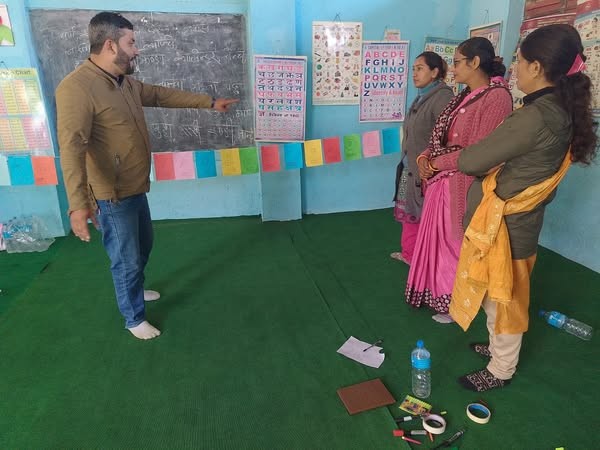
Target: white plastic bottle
[421, 371]
[575, 327]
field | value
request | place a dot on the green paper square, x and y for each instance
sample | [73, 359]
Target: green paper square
[352, 147]
[249, 160]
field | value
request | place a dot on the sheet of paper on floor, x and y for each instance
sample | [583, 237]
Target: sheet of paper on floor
[354, 349]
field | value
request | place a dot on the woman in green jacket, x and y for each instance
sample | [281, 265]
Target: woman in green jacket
[519, 166]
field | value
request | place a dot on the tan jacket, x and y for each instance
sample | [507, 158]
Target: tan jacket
[102, 133]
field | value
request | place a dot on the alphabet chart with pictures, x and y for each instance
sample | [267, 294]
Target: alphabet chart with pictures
[336, 63]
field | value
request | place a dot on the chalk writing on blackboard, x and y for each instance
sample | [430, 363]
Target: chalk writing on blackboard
[197, 52]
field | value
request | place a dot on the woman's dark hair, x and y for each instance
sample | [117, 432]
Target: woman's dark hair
[555, 47]
[488, 61]
[435, 61]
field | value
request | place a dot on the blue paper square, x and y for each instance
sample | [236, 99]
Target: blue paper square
[206, 166]
[21, 170]
[391, 140]
[292, 154]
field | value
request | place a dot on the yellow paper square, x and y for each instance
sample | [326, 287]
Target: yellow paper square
[313, 153]
[230, 162]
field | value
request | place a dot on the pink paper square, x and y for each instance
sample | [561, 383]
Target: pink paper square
[184, 165]
[371, 144]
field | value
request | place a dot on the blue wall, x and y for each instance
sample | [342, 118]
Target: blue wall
[509, 12]
[273, 32]
[571, 222]
[365, 184]
[274, 27]
[46, 202]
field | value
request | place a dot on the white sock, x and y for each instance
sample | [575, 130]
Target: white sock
[144, 331]
[150, 296]
[443, 318]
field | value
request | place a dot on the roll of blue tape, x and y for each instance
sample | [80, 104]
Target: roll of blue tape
[478, 413]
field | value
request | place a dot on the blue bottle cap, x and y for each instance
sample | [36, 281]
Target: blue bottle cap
[542, 312]
[420, 344]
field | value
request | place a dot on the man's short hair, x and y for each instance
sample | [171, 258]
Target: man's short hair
[106, 25]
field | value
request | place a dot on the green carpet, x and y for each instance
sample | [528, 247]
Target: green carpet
[252, 315]
[19, 269]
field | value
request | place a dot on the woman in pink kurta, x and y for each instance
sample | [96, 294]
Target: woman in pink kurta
[468, 118]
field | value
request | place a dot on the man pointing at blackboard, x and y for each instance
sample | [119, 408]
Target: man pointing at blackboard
[105, 156]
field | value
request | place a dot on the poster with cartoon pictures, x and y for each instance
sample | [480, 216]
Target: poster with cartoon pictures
[446, 49]
[586, 23]
[6, 35]
[527, 27]
[336, 59]
[586, 19]
[492, 32]
[591, 49]
[279, 98]
[383, 81]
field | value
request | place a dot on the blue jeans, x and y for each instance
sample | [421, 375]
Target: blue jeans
[127, 236]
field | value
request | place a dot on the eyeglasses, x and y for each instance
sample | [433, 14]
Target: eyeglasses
[456, 61]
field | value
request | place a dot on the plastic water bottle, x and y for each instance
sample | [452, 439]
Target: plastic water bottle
[575, 327]
[421, 371]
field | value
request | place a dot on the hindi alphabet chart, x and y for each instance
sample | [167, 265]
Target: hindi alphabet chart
[336, 58]
[280, 98]
[23, 122]
[383, 81]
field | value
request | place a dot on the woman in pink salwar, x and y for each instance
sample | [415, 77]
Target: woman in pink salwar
[468, 118]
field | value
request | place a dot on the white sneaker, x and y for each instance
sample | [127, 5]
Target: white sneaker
[150, 296]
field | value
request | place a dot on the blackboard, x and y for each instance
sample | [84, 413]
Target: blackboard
[197, 52]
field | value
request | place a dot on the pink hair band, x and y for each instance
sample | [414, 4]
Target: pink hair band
[578, 65]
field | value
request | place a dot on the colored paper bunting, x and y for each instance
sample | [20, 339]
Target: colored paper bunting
[22, 170]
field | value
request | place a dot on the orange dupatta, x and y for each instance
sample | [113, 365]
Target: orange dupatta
[485, 264]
